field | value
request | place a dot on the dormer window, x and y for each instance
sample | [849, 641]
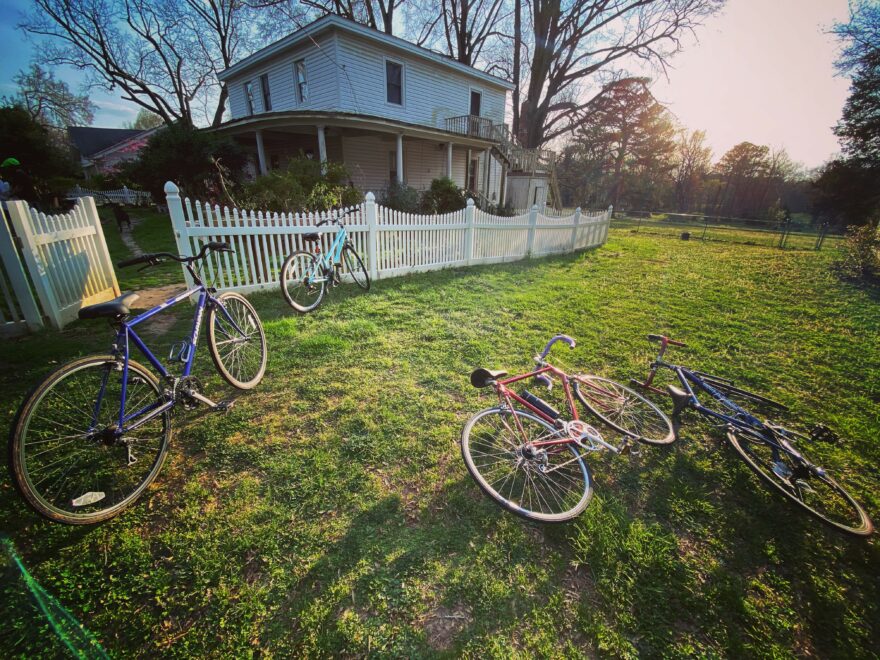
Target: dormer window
[249, 96]
[393, 82]
[264, 88]
[299, 77]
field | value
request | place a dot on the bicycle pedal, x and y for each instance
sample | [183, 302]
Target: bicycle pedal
[224, 406]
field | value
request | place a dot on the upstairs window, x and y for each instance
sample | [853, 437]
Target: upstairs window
[299, 77]
[267, 97]
[249, 96]
[394, 82]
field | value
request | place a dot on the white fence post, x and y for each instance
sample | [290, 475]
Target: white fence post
[372, 235]
[533, 221]
[18, 279]
[574, 230]
[608, 217]
[20, 215]
[178, 223]
[469, 213]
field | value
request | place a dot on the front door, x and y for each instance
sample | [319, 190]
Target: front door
[476, 100]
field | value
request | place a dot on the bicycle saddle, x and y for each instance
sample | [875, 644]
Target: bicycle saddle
[310, 238]
[485, 377]
[116, 308]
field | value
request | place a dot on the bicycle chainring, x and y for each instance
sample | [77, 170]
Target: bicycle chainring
[185, 387]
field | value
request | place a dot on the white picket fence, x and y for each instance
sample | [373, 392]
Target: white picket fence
[66, 258]
[390, 242]
[122, 195]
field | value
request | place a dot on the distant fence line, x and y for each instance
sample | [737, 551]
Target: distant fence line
[122, 195]
[391, 242]
[731, 230]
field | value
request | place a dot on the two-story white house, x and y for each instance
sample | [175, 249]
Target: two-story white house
[388, 109]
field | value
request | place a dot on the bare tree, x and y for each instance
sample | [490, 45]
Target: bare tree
[160, 54]
[49, 101]
[377, 14]
[579, 41]
[693, 162]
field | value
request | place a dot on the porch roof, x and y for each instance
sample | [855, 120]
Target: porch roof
[297, 118]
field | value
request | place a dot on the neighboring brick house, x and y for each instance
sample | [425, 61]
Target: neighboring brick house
[101, 150]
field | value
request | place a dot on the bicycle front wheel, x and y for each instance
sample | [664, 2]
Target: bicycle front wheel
[624, 410]
[236, 341]
[354, 266]
[548, 484]
[65, 457]
[813, 490]
[302, 282]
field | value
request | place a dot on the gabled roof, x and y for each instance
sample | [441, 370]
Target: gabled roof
[89, 140]
[345, 25]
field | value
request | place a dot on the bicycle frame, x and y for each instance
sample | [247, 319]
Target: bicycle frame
[126, 336]
[329, 258]
[506, 395]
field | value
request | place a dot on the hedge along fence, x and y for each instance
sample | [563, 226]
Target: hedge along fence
[391, 242]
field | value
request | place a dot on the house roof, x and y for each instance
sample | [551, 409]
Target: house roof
[89, 140]
[351, 27]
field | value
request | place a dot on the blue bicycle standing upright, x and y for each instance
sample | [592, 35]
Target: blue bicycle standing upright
[89, 439]
[305, 276]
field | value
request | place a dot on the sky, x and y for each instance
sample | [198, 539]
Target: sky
[761, 71]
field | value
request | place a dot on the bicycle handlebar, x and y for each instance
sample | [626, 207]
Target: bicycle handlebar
[337, 220]
[153, 258]
[568, 340]
[666, 341]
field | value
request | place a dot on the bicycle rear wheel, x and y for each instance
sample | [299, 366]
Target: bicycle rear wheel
[302, 282]
[550, 484]
[624, 410]
[238, 348]
[64, 457]
[813, 490]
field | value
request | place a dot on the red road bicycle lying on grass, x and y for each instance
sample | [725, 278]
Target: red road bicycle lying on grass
[530, 460]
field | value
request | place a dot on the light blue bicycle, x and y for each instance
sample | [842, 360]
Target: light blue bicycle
[306, 275]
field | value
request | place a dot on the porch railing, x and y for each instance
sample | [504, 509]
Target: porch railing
[521, 159]
[472, 126]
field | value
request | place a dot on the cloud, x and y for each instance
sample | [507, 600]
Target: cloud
[115, 108]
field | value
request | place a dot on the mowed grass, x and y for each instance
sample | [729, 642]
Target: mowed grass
[329, 512]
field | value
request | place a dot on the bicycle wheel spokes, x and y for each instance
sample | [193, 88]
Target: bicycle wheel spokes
[810, 488]
[625, 410]
[67, 455]
[301, 281]
[544, 483]
[237, 343]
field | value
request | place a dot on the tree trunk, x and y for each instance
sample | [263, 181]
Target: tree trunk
[517, 54]
[221, 106]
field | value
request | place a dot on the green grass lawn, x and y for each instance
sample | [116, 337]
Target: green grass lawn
[329, 513]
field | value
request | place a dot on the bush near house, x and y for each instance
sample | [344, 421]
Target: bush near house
[201, 164]
[861, 253]
[301, 186]
[443, 197]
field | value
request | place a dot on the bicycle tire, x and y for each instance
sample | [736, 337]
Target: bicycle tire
[747, 443]
[661, 432]
[354, 264]
[244, 314]
[288, 279]
[21, 470]
[511, 505]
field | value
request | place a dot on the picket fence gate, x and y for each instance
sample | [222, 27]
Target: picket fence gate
[66, 258]
[391, 242]
[122, 195]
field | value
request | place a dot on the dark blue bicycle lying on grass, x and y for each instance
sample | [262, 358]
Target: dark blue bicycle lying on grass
[92, 437]
[767, 448]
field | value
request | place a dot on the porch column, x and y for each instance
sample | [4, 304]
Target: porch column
[400, 158]
[501, 200]
[261, 153]
[467, 171]
[449, 159]
[322, 145]
[486, 173]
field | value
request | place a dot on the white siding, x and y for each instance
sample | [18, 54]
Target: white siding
[431, 92]
[321, 77]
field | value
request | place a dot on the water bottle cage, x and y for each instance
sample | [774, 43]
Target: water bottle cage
[180, 351]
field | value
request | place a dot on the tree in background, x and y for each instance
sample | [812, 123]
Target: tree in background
[200, 163]
[162, 56]
[49, 101]
[623, 151]
[693, 162]
[45, 171]
[145, 120]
